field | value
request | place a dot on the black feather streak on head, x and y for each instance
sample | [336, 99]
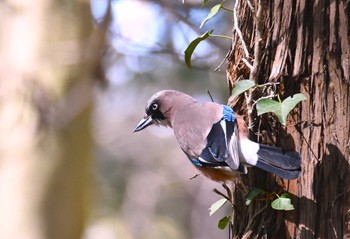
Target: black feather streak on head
[153, 110]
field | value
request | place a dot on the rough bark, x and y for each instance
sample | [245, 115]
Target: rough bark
[305, 47]
[45, 142]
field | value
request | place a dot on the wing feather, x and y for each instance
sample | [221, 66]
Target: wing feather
[222, 146]
[233, 161]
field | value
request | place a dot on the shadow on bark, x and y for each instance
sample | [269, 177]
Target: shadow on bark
[332, 200]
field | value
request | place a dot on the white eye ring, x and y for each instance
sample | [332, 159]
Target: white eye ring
[154, 106]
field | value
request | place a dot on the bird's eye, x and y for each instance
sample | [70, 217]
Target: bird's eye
[154, 106]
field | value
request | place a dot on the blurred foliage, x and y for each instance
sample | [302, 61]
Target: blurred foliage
[142, 185]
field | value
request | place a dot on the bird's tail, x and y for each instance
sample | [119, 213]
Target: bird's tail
[285, 164]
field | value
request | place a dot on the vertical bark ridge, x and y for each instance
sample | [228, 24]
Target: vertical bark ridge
[306, 50]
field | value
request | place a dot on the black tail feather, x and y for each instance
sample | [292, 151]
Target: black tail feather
[285, 164]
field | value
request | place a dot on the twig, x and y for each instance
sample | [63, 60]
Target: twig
[225, 8]
[273, 95]
[250, 5]
[250, 223]
[221, 194]
[211, 97]
[194, 176]
[229, 192]
[254, 73]
[269, 84]
[222, 36]
[259, 126]
[247, 63]
[223, 61]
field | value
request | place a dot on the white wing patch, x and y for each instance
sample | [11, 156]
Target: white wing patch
[233, 149]
[202, 160]
[223, 126]
[248, 150]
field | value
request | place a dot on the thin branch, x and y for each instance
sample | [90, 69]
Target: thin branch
[229, 192]
[268, 84]
[222, 62]
[258, 131]
[257, 48]
[250, 5]
[273, 95]
[211, 97]
[254, 73]
[247, 63]
[227, 9]
[222, 36]
[252, 219]
[194, 176]
[239, 33]
[221, 194]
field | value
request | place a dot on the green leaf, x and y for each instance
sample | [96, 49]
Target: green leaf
[285, 195]
[242, 86]
[253, 193]
[292, 101]
[217, 205]
[192, 46]
[213, 11]
[280, 109]
[224, 222]
[282, 203]
[267, 105]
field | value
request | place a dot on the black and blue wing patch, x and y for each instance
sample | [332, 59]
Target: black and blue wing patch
[206, 159]
[216, 152]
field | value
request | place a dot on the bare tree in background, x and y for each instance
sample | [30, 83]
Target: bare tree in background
[304, 45]
[47, 63]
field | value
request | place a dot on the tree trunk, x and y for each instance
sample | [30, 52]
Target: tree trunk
[305, 47]
[45, 139]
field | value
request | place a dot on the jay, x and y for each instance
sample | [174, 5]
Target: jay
[214, 138]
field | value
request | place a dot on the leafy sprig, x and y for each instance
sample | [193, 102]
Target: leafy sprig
[263, 105]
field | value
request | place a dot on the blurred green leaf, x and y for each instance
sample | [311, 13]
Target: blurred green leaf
[253, 193]
[282, 203]
[280, 109]
[192, 46]
[213, 11]
[224, 222]
[285, 195]
[217, 205]
[242, 86]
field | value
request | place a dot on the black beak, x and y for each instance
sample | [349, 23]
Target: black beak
[144, 123]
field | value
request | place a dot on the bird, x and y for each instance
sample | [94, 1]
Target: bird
[215, 138]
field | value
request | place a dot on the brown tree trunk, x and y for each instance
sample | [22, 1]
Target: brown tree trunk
[45, 93]
[304, 46]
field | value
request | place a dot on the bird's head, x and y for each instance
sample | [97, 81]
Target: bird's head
[161, 107]
[155, 111]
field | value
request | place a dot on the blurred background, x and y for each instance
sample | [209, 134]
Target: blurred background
[138, 184]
